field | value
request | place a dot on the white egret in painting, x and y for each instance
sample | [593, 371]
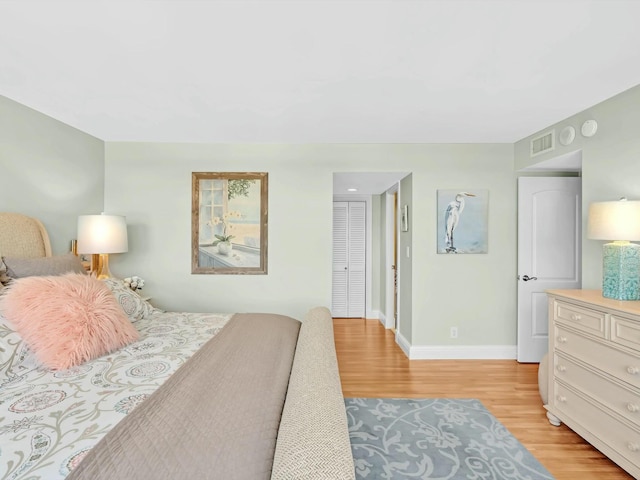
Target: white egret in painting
[452, 217]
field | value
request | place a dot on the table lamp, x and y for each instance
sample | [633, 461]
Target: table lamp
[102, 235]
[618, 222]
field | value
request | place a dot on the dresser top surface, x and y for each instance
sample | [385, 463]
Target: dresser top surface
[595, 298]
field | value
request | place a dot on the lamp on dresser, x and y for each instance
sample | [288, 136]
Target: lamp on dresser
[618, 222]
[102, 235]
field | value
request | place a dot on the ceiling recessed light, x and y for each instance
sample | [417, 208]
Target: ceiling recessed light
[352, 189]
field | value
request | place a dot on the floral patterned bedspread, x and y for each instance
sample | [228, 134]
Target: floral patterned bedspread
[49, 420]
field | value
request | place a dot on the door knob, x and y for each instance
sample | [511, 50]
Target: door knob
[526, 278]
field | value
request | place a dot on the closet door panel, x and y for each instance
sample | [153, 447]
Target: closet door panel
[349, 259]
[357, 259]
[339, 302]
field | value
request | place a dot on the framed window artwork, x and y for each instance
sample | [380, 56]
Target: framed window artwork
[229, 223]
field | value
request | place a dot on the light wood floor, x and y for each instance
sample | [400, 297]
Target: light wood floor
[372, 365]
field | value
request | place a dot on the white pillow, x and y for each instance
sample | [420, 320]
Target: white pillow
[133, 304]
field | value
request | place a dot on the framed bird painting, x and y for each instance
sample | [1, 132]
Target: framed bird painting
[463, 221]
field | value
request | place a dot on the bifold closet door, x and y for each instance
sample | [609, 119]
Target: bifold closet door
[349, 259]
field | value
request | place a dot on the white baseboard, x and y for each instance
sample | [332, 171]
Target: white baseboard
[383, 320]
[404, 345]
[461, 352]
[373, 314]
[389, 323]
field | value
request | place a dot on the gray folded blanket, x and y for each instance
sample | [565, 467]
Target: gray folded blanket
[217, 417]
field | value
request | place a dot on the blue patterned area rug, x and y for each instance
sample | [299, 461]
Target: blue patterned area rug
[435, 438]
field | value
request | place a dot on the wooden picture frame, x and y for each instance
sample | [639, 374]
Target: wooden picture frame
[229, 222]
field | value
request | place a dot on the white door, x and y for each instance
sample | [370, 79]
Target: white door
[349, 259]
[549, 254]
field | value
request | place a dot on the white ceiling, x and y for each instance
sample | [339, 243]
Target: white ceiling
[365, 183]
[316, 71]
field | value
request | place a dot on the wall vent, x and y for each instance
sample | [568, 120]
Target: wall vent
[543, 143]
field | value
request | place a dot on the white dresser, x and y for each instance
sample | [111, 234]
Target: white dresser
[594, 371]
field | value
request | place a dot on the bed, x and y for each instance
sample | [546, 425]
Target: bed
[188, 395]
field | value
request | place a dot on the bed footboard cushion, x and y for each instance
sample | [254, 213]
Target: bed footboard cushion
[217, 417]
[313, 440]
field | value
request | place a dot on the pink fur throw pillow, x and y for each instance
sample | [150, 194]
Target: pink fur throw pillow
[67, 319]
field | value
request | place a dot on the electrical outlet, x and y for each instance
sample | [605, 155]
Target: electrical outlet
[454, 332]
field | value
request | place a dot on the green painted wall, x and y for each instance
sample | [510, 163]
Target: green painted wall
[150, 183]
[610, 164]
[48, 170]
[55, 172]
[406, 253]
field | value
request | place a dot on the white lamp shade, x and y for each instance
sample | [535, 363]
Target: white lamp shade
[102, 234]
[618, 220]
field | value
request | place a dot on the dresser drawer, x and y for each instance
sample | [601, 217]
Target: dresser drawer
[619, 364]
[617, 435]
[625, 332]
[624, 401]
[590, 321]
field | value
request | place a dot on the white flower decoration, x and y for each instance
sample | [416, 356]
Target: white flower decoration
[134, 283]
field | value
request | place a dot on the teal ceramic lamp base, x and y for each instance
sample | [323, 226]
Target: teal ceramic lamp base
[621, 271]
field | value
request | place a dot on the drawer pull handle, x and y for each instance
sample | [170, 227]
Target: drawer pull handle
[576, 318]
[562, 368]
[632, 407]
[562, 398]
[633, 447]
[562, 339]
[632, 370]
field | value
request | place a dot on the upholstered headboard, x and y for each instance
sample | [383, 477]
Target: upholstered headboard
[22, 236]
